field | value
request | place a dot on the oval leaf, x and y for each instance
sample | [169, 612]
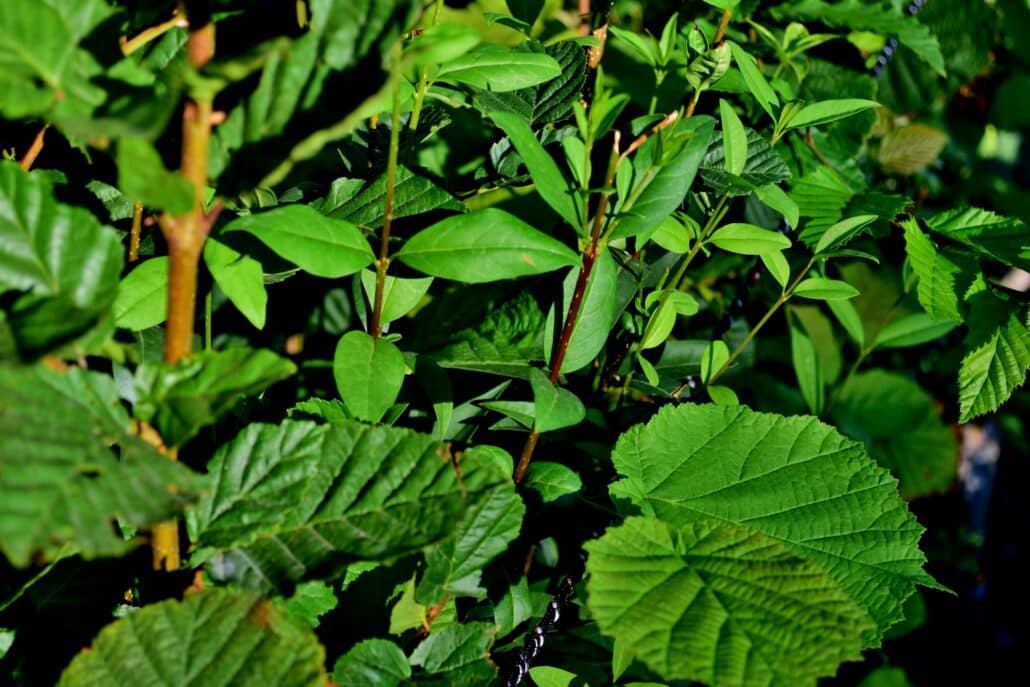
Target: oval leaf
[484, 246]
[240, 277]
[734, 139]
[747, 239]
[913, 330]
[498, 68]
[822, 289]
[369, 373]
[142, 300]
[842, 232]
[829, 111]
[317, 244]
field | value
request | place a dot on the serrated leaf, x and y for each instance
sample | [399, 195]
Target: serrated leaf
[211, 638]
[598, 313]
[549, 181]
[660, 189]
[60, 483]
[754, 79]
[913, 330]
[457, 654]
[764, 166]
[552, 480]
[369, 373]
[142, 300]
[822, 289]
[485, 531]
[482, 246]
[59, 267]
[315, 243]
[748, 239]
[997, 362]
[758, 612]
[908, 149]
[550, 101]
[828, 111]
[309, 602]
[744, 467]
[1005, 239]
[554, 408]
[942, 279]
[902, 429]
[372, 663]
[143, 178]
[412, 195]
[240, 277]
[499, 68]
[283, 500]
[880, 17]
[178, 399]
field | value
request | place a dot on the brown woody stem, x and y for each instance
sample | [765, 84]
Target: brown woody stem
[185, 236]
[726, 16]
[131, 45]
[34, 150]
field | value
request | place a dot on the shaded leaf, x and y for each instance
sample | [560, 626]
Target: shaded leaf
[554, 407]
[457, 655]
[999, 341]
[1005, 239]
[142, 177]
[598, 313]
[550, 101]
[754, 79]
[372, 663]
[214, 637]
[764, 166]
[240, 277]
[412, 195]
[499, 68]
[60, 483]
[820, 288]
[552, 480]
[142, 300]
[913, 330]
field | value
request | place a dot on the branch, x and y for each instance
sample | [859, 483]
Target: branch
[131, 45]
[33, 152]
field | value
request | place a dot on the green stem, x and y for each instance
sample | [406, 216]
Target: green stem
[784, 297]
[207, 319]
[423, 80]
[384, 246]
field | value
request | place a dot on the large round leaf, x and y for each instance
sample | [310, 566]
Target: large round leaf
[791, 478]
[483, 246]
[212, 638]
[720, 603]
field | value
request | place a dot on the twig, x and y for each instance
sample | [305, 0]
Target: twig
[135, 231]
[131, 45]
[384, 245]
[726, 15]
[32, 153]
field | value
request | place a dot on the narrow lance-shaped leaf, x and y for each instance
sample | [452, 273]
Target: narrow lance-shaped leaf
[487, 245]
[747, 239]
[754, 79]
[734, 139]
[828, 111]
[598, 313]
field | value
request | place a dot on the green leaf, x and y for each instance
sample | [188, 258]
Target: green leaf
[902, 429]
[999, 342]
[672, 235]
[372, 663]
[722, 395]
[211, 638]
[808, 369]
[598, 313]
[142, 300]
[886, 676]
[178, 399]
[849, 318]
[550, 101]
[552, 480]
[912, 330]
[773, 196]
[747, 239]
[758, 612]
[754, 79]
[143, 178]
[646, 48]
[315, 243]
[708, 68]
[283, 500]
[549, 181]
[715, 355]
[60, 483]
[439, 43]
[943, 277]
[412, 195]
[662, 186]
[59, 267]
[881, 17]
[400, 296]
[457, 654]
[822, 289]
[764, 166]
[829, 111]
[369, 374]
[1005, 239]
[240, 277]
[482, 246]
[525, 10]
[671, 304]
[554, 408]
[546, 676]
[498, 68]
[778, 267]
[744, 467]
[486, 530]
[842, 232]
[734, 139]
[309, 602]
[515, 607]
